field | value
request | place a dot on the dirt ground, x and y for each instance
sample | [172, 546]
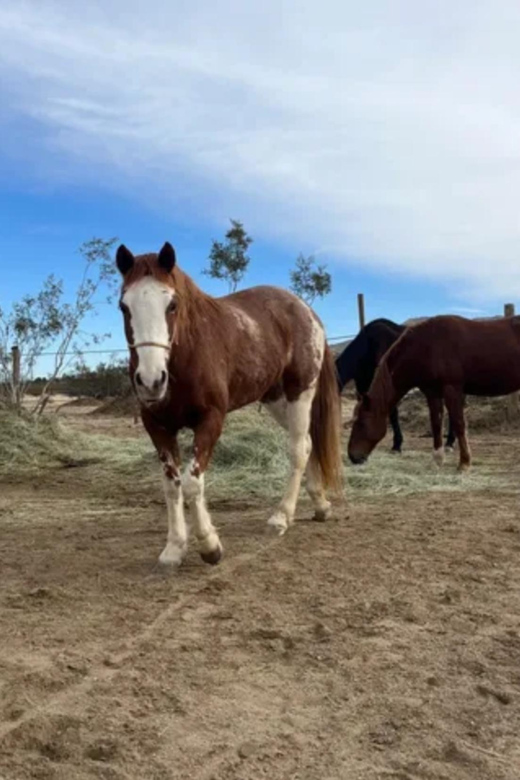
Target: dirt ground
[383, 644]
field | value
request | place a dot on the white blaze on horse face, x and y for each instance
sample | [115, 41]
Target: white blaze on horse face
[147, 301]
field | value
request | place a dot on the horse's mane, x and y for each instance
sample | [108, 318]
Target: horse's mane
[382, 389]
[193, 308]
[193, 305]
[347, 361]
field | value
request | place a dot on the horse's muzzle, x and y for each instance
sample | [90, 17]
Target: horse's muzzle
[357, 460]
[150, 400]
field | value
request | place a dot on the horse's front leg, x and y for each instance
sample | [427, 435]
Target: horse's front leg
[454, 400]
[167, 448]
[398, 436]
[436, 414]
[206, 435]
[177, 540]
[450, 438]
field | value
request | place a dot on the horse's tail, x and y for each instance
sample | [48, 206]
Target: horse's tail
[326, 425]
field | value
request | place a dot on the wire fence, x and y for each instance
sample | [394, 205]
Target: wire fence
[122, 350]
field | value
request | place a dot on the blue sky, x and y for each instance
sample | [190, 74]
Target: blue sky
[381, 137]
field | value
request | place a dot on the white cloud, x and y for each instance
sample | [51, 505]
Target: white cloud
[385, 132]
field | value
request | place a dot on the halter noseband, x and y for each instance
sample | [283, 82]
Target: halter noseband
[167, 347]
[151, 344]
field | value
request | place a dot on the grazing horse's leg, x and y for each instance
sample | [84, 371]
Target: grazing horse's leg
[298, 416]
[454, 400]
[436, 414]
[450, 438]
[398, 436]
[206, 435]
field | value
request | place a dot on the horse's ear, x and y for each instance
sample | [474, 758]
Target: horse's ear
[166, 257]
[124, 259]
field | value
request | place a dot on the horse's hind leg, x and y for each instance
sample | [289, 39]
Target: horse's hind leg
[314, 486]
[313, 482]
[454, 400]
[296, 417]
[398, 436]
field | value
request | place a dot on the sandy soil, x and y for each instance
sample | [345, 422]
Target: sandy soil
[384, 644]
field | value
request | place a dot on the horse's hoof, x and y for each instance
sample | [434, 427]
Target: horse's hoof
[463, 467]
[395, 451]
[172, 556]
[438, 456]
[321, 515]
[213, 557]
[277, 524]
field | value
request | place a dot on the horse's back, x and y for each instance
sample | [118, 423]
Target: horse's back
[274, 310]
[279, 343]
[481, 356]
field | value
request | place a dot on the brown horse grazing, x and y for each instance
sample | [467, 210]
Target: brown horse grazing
[446, 357]
[194, 358]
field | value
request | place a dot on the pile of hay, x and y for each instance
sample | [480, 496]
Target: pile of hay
[482, 414]
[28, 443]
[250, 461]
[121, 406]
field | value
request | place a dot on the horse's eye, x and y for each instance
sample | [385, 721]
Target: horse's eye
[171, 306]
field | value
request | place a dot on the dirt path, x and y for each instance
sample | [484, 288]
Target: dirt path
[383, 645]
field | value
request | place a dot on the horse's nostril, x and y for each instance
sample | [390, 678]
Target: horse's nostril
[163, 377]
[138, 379]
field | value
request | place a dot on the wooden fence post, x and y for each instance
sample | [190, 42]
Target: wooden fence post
[15, 355]
[512, 401]
[361, 310]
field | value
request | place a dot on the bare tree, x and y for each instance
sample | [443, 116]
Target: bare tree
[44, 322]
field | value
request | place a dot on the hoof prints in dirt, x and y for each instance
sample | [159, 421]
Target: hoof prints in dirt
[382, 647]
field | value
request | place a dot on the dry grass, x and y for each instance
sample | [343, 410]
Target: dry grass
[482, 414]
[250, 461]
[28, 444]
[416, 472]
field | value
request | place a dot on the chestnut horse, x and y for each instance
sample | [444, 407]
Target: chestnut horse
[359, 360]
[193, 358]
[446, 357]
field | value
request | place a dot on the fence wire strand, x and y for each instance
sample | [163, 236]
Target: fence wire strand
[121, 350]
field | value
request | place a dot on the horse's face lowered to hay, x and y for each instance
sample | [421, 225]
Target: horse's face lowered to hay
[149, 302]
[368, 428]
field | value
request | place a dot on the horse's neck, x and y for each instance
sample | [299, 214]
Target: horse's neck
[386, 390]
[395, 378]
[201, 330]
[347, 363]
